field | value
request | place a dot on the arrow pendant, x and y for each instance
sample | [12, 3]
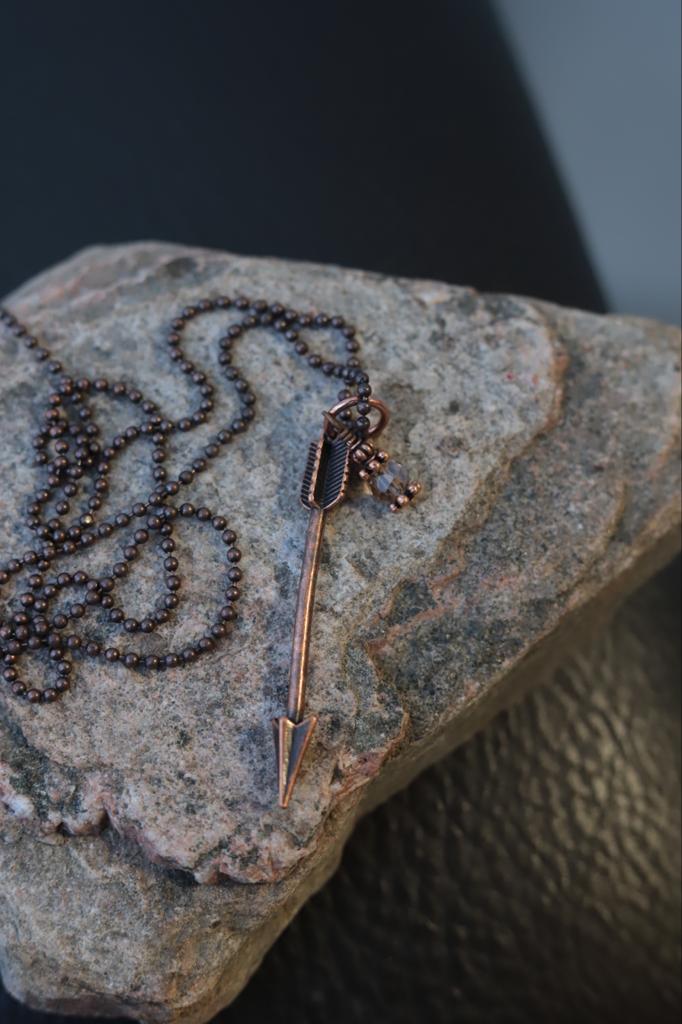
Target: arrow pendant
[325, 483]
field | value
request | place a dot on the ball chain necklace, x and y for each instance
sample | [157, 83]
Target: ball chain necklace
[77, 461]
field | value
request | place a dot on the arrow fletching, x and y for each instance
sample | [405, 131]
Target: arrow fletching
[325, 479]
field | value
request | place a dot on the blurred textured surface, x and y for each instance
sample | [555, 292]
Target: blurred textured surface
[532, 876]
[548, 440]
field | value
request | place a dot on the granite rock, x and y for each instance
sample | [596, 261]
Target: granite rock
[548, 444]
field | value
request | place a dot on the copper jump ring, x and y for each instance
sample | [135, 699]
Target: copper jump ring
[376, 403]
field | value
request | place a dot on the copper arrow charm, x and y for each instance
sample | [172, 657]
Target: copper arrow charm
[325, 482]
[324, 485]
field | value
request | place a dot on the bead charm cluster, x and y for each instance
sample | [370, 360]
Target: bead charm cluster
[68, 514]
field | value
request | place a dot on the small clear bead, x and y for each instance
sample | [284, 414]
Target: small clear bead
[391, 481]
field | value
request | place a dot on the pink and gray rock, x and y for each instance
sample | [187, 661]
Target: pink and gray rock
[548, 444]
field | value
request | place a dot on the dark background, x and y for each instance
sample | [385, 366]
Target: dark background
[381, 135]
[396, 137]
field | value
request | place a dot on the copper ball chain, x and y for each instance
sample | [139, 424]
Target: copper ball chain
[70, 450]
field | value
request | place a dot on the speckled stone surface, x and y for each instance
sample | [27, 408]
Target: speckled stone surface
[548, 444]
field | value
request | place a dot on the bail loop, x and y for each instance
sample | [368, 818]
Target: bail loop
[376, 403]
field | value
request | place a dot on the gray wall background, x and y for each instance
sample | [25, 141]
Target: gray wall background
[604, 76]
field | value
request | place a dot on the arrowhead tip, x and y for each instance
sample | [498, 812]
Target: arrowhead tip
[291, 743]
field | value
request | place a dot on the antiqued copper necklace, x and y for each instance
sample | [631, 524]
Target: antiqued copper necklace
[67, 514]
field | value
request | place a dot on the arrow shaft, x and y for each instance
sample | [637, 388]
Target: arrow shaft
[304, 615]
